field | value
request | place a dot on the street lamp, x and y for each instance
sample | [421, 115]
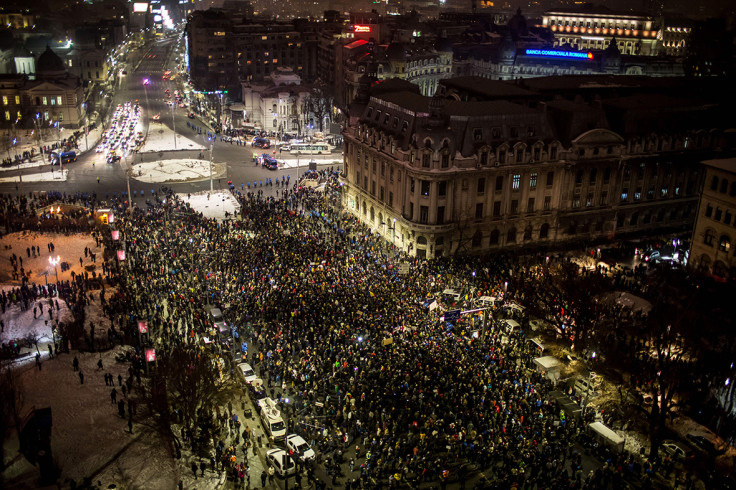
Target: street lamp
[54, 262]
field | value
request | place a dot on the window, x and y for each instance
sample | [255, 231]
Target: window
[576, 201]
[479, 210]
[514, 132]
[708, 211]
[718, 215]
[380, 194]
[496, 209]
[727, 218]
[391, 199]
[391, 174]
[650, 193]
[550, 178]
[544, 231]
[423, 214]
[442, 188]
[665, 191]
[537, 153]
[446, 159]
[724, 186]
[477, 134]
[425, 187]
[709, 238]
[425, 160]
[501, 156]
[5, 100]
[530, 205]
[579, 177]
[547, 203]
[516, 182]
[607, 175]
[481, 185]
[494, 237]
[724, 244]
[17, 99]
[714, 184]
[553, 153]
[44, 100]
[519, 155]
[589, 200]
[411, 185]
[511, 236]
[624, 194]
[593, 175]
[732, 192]
[499, 183]
[383, 169]
[533, 181]
[483, 158]
[514, 206]
[495, 133]
[477, 239]
[440, 215]
[7, 115]
[59, 100]
[640, 172]
[637, 194]
[373, 188]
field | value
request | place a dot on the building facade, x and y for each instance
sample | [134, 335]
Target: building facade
[594, 28]
[714, 234]
[443, 175]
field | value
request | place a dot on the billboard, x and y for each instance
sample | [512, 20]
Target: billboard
[140, 7]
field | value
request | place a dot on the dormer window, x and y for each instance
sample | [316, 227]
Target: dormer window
[478, 134]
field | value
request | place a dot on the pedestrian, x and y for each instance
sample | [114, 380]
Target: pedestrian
[202, 467]
[75, 363]
[194, 469]
[99, 364]
[264, 477]
[120, 380]
[81, 377]
[114, 396]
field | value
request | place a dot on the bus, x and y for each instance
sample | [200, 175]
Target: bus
[310, 149]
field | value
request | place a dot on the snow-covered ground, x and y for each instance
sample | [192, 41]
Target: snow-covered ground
[176, 170]
[161, 138]
[56, 175]
[212, 205]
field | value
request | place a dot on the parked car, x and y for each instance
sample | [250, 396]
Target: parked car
[282, 463]
[676, 451]
[248, 372]
[219, 321]
[704, 444]
[298, 447]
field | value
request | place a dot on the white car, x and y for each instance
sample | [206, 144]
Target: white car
[298, 447]
[281, 462]
[248, 372]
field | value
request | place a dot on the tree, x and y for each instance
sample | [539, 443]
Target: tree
[319, 104]
[11, 403]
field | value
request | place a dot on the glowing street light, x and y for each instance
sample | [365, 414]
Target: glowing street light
[54, 262]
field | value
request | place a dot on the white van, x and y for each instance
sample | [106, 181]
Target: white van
[584, 386]
[486, 302]
[271, 418]
[451, 294]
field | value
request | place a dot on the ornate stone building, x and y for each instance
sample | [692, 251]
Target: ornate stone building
[469, 172]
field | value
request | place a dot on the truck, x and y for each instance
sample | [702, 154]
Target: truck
[271, 418]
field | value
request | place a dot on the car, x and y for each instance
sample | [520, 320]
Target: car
[182, 105]
[113, 159]
[676, 451]
[248, 372]
[298, 447]
[190, 115]
[284, 148]
[219, 321]
[282, 463]
[703, 443]
[269, 162]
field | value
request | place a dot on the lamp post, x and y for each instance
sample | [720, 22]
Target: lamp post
[86, 126]
[128, 169]
[54, 261]
[212, 147]
[173, 122]
[61, 161]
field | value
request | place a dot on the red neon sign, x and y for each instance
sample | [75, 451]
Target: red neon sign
[362, 28]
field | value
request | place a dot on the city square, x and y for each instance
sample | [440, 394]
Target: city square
[378, 257]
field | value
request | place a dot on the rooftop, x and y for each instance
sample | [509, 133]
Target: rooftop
[727, 164]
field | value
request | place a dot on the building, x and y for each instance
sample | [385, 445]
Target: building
[714, 234]
[578, 160]
[52, 99]
[275, 105]
[594, 27]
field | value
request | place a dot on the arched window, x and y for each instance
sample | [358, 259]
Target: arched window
[732, 193]
[710, 236]
[724, 244]
[364, 208]
[373, 215]
[421, 240]
[477, 239]
[528, 233]
[494, 237]
[511, 236]
[714, 184]
[544, 231]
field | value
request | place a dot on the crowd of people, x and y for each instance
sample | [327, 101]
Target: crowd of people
[369, 372]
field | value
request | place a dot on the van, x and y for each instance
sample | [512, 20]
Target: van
[219, 321]
[584, 386]
[64, 157]
[271, 418]
[486, 302]
[607, 437]
[451, 294]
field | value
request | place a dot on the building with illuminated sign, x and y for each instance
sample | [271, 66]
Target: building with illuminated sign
[594, 27]
[714, 234]
[489, 165]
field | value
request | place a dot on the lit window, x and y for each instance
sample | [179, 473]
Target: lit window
[516, 181]
[219, 33]
[264, 38]
[5, 100]
[7, 115]
[53, 100]
[44, 101]
[17, 99]
[59, 100]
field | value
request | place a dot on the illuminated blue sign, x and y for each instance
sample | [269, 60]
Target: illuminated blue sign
[550, 53]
